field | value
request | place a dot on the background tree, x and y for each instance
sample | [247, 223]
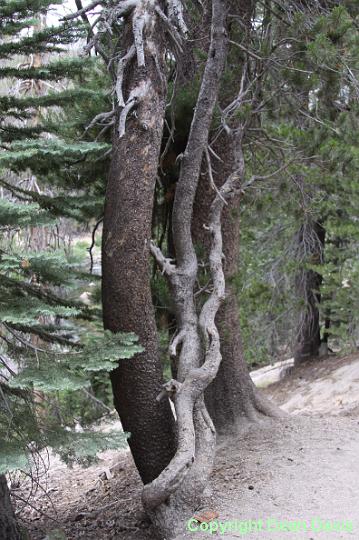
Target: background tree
[40, 290]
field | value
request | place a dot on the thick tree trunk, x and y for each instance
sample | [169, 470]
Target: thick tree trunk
[127, 301]
[309, 283]
[232, 399]
[9, 529]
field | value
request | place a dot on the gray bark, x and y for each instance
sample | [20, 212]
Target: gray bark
[231, 398]
[175, 494]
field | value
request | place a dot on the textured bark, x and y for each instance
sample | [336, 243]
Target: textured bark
[9, 529]
[172, 497]
[127, 301]
[309, 341]
[232, 398]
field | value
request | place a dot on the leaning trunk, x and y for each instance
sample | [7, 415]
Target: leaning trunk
[127, 301]
[9, 529]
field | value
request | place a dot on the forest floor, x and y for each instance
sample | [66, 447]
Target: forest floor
[298, 469]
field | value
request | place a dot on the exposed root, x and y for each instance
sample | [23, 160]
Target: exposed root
[266, 407]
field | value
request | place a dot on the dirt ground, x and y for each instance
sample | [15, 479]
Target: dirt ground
[293, 479]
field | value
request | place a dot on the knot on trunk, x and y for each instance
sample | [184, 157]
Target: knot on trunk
[170, 389]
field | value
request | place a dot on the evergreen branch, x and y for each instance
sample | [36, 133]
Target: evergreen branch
[44, 335]
[50, 298]
[49, 72]
[11, 103]
[23, 341]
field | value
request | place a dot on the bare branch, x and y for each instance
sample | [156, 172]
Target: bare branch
[176, 341]
[121, 66]
[210, 175]
[139, 21]
[195, 434]
[172, 30]
[256, 178]
[164, 263]
[99, 118]
[82, 11]
[135, 95]
[175, 13]
[93, 240]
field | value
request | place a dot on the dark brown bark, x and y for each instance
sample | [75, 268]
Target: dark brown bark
[309, 341]
[9, 529]
[232, 399]
[127, 300]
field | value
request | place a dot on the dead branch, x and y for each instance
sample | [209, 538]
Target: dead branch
[82, 11]
[121, 66]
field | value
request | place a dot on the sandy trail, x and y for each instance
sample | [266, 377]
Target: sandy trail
[297, 469]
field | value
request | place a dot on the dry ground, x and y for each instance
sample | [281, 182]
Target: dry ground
[303, 467]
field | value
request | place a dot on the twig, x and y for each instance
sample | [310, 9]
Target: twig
[93, 242]
[28, 503]
[210, 174]
[82, 11]
[256, 178]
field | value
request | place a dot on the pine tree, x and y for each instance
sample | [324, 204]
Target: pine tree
[39, 290]
[304, 270]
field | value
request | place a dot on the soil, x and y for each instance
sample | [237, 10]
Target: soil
[292, 471]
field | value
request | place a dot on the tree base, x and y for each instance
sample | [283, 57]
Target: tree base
[9, 529]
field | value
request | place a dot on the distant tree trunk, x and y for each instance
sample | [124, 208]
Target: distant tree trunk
[127, 301]
[232, 399]
[312, 237]
[9, 529]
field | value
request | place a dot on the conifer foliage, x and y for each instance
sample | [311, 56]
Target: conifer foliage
[50, 342]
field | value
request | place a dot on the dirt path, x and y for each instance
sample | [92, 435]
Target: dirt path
[295, 470]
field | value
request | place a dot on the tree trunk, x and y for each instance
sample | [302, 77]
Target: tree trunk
[127, 301]
[232, 399]
[312, 236]
[173, 497]
[9, 529]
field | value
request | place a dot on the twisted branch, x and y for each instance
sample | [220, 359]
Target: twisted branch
[195, 430]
